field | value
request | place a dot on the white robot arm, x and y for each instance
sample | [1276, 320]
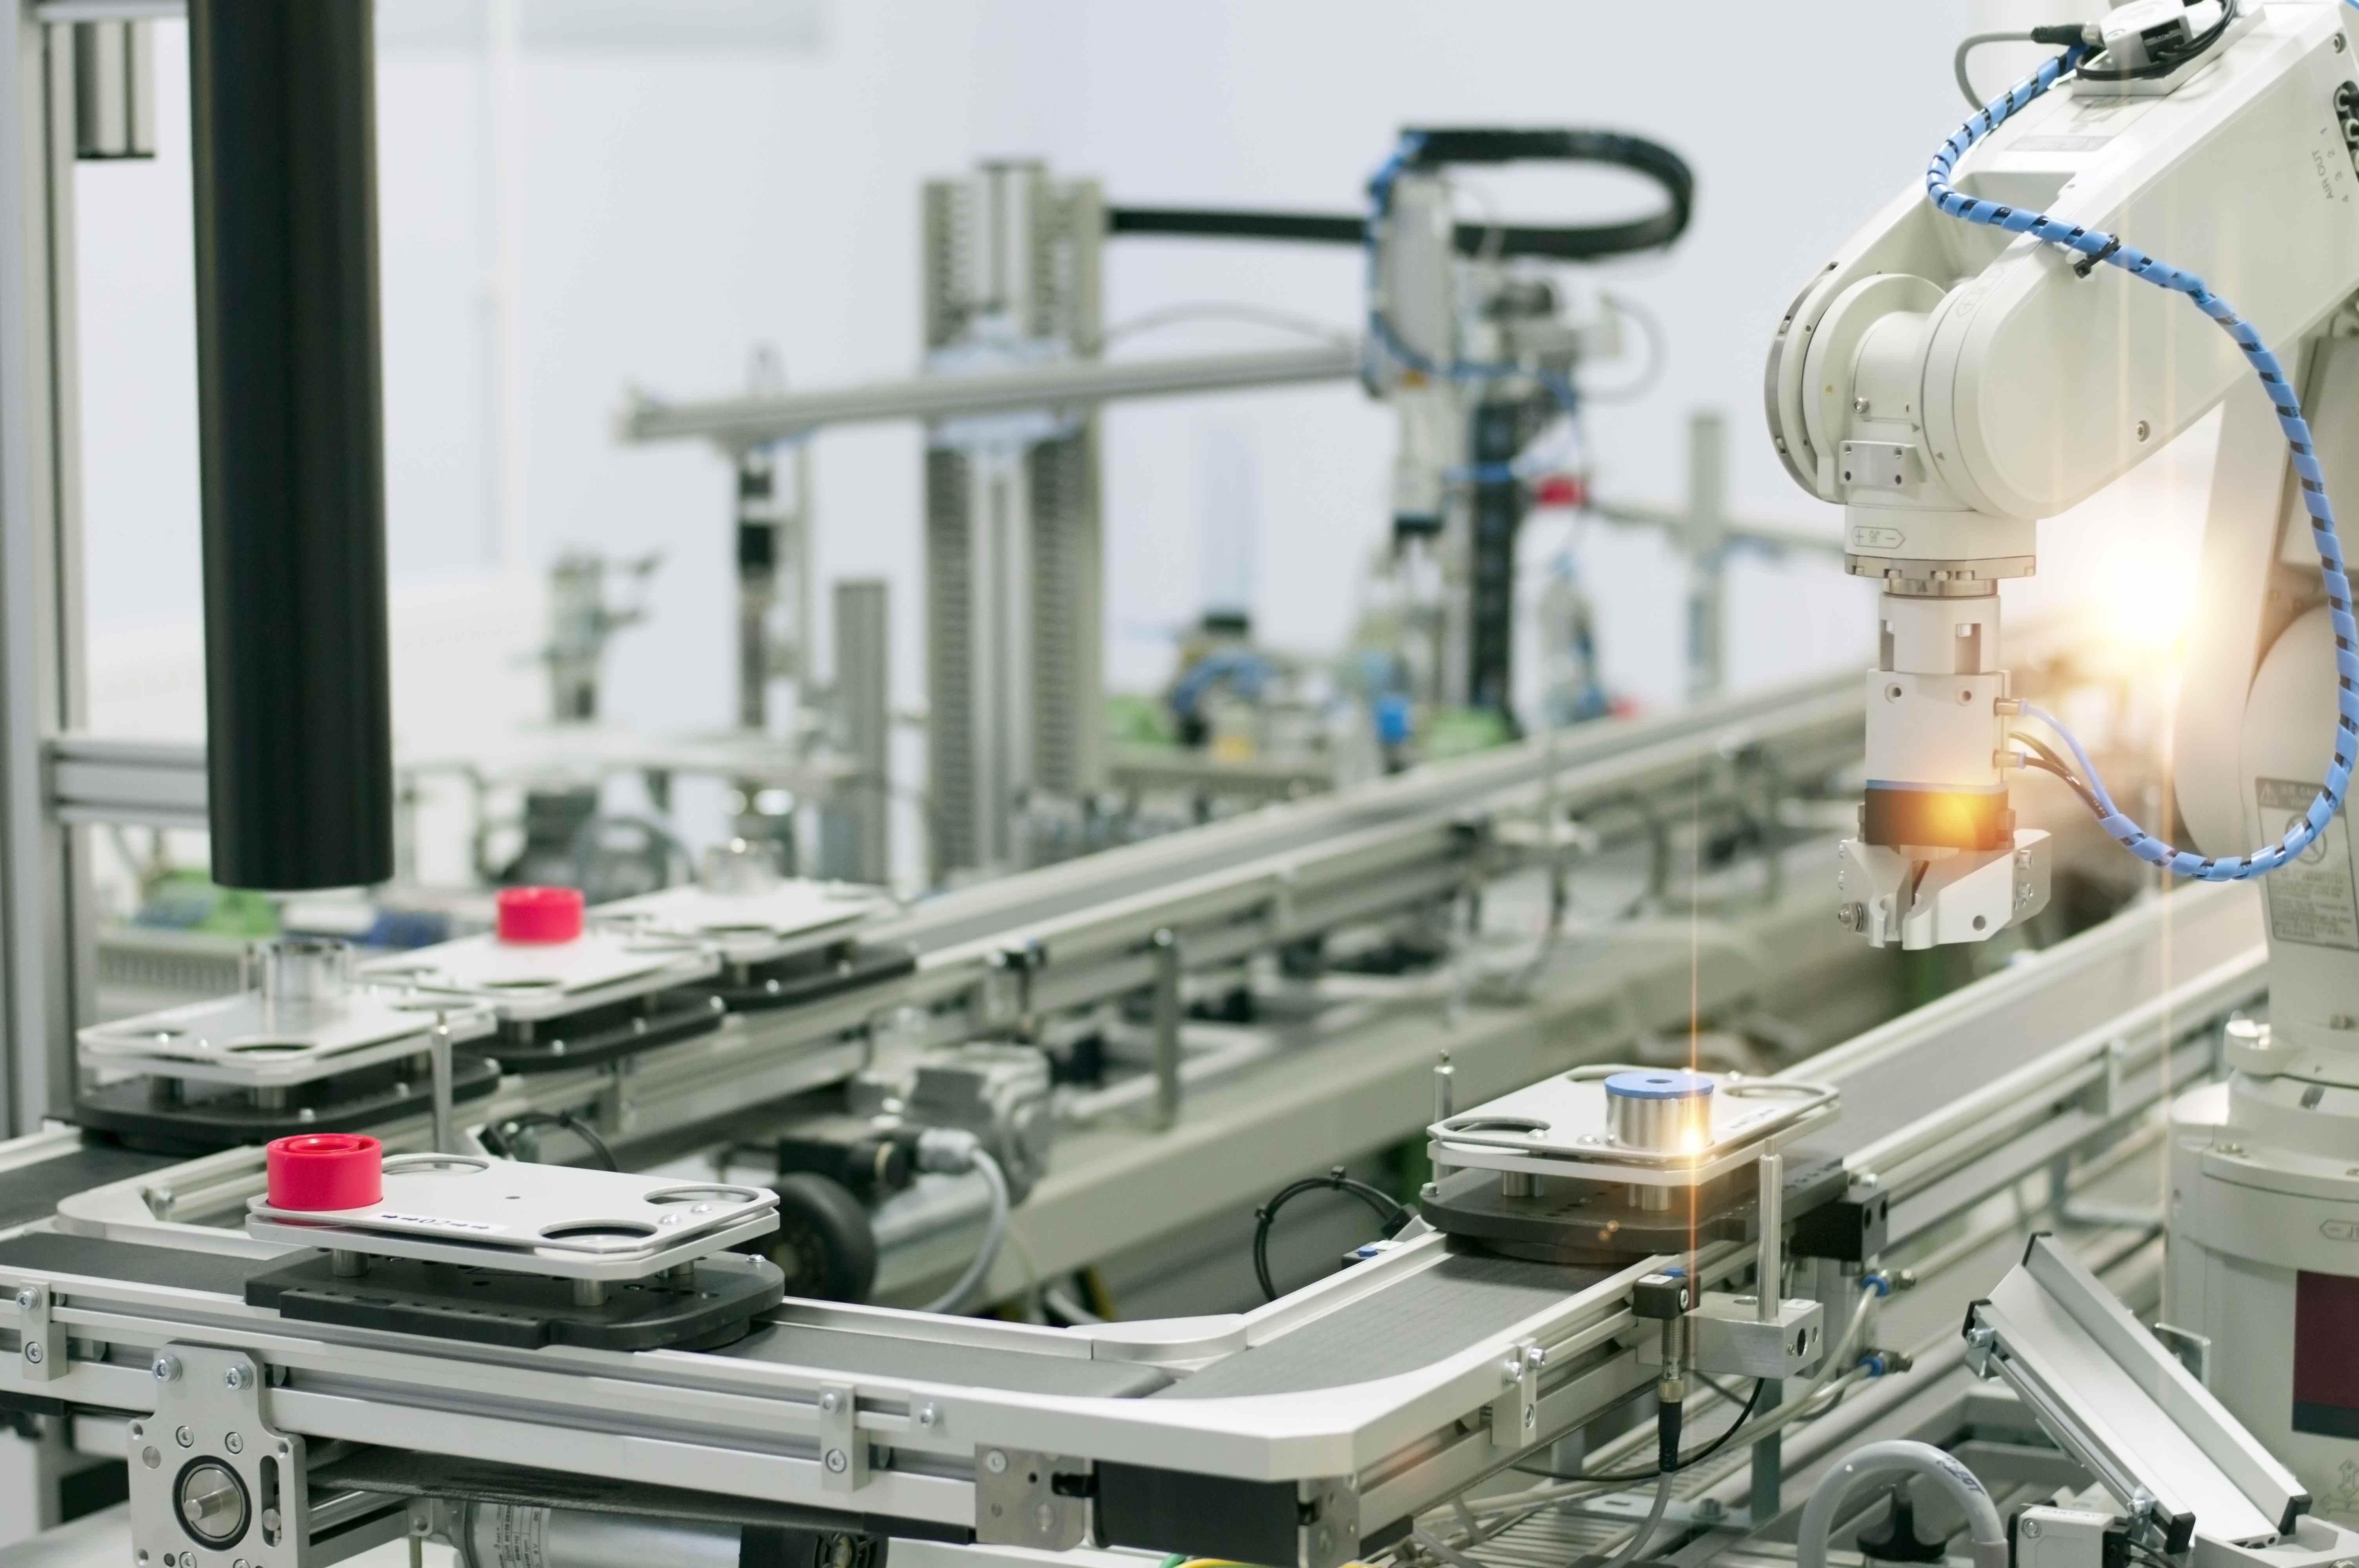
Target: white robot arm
[2049, 310]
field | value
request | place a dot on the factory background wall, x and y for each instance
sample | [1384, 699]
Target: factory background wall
[659, 212]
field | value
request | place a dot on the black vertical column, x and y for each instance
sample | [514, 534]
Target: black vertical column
[297, 703]
[1499, 431]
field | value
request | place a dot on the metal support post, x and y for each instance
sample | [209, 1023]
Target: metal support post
[1707, 551]
[864, 713]
[1166, 946]
[1768, 1456]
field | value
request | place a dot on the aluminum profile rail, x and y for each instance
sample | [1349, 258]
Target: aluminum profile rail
[736, 423]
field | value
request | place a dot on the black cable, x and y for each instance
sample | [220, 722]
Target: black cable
[2164, 64]
[565, 1119]
[2047, 761]
[1389, 1212]
[1690, 1463]
[1588, 241]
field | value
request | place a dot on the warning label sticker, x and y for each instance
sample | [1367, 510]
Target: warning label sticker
[2311, 899]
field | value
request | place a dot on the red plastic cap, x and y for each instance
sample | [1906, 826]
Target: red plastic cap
[325, 1170]
[539, 914]
[1559, 489]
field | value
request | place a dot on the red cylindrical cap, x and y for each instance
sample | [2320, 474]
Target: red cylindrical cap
[325, 1170]
[539, 914]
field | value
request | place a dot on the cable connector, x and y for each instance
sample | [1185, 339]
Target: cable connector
[2064, 35]
[947, 1150]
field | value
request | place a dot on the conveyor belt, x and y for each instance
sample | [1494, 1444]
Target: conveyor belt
[1008, 905]
[32, 1191]
[53, 1252]
[942, 1361]
[1457, 1303]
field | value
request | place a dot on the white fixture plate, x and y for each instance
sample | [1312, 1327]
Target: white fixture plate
[246, 1039]
[792, 917]
[1558, 1128]
[528, 981]
[557, 1220]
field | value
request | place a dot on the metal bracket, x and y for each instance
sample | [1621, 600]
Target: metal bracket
[41, 1354]
[1019, 1501]
[1330, 1518]
[211, 1480]
[1516, 1413]
[1728, 1336]
[842, 1452]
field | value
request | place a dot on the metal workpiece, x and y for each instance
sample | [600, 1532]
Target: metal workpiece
[743, 907]
[299, 699]
[1648, 1127]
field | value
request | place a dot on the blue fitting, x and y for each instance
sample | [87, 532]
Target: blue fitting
[1873, 1362]
[1879, 1281]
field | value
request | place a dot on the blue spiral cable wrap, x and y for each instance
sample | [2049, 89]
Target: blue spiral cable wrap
[1383, 338]
[2096, 248]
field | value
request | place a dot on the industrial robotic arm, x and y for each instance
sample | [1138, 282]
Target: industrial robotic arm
[2051, 308]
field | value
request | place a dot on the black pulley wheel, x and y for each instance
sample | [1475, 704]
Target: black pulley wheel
[824, 1244]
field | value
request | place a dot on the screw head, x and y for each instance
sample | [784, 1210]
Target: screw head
[1859, 404]
[185, 1438]
[838, 1462]
[928, 1415]
[235, 1443]
[1513, 1369]
[166, 1367]
[1536, 1356]
[996, 1462]
[33, 1351]
[2031, 1528]
[234, 1379]
[831, 1401]
[28, 1297]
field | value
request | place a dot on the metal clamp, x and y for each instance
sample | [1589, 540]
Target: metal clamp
[41, 1354]
[842, 1452]
[1516, 1413]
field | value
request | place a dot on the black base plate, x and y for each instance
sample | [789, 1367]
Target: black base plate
[598, 1034]
[813, 976]
[1595, 1222]
[356, 1102]
[488, 1306]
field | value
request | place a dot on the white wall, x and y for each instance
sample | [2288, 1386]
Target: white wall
[677, 206]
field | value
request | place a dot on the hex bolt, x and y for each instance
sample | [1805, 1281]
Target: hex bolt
[838, 1462]
[166, 1369]
[996, 1462]
[234, 1379]
[185, 1438]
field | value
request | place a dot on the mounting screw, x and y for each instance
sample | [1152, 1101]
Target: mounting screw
[928, 1414]
[2144, 429]
[1850, 916]
[1867, 1181]
[234, 1379]
[1536, 1356]
[185, 1438]
[830, 1401]
[2031, 1529]
[2233, 1151]
[27, 1297]
[1708, 1508]
[33, 1351]
[234, 1443]
[996, 1462]
[838, 1461]
[1859, 404]
[1514, 1370]
[166, 1369]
